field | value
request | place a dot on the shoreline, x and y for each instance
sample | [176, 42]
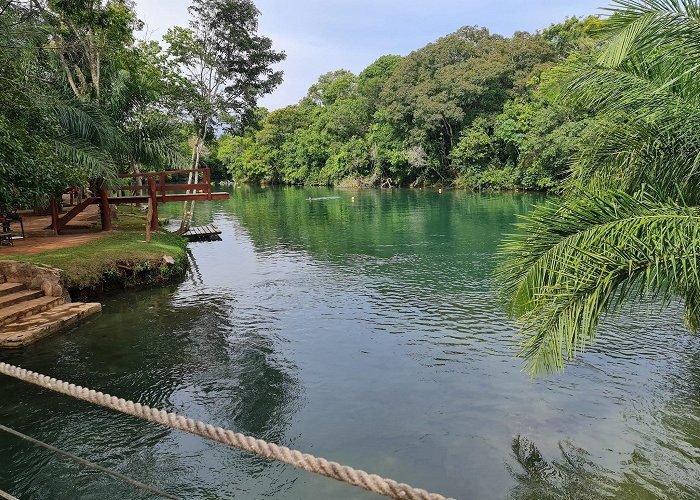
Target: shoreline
[118, 260]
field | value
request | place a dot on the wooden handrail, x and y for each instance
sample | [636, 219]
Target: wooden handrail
[162, 188]
[167, 172]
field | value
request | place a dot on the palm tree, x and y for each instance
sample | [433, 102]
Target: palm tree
[61, 137]
[628, 228]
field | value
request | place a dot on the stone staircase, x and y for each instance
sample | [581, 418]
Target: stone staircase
[27, 315]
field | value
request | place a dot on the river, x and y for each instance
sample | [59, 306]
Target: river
[368, 333]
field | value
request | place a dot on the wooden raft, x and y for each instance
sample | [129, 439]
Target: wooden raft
[210, 231]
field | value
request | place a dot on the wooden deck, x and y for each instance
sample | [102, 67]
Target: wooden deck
[210, 231]
[142, 188]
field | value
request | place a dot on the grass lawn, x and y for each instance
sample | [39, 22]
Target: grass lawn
[87, 265]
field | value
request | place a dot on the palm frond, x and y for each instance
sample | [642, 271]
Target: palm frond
[153, 144]
[646, 128]
[638, 27]
[572, 262]
[79, 152]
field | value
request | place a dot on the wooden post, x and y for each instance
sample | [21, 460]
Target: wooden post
[153, 203]
[54, 217]
[149, 218]
[207, 180]
[105, 212]
[161, 179]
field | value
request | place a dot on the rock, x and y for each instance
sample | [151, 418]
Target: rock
[168, 260]
[46, 279]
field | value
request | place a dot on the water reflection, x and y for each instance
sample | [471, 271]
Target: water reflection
[366, 333]
[575, 474]
[181, 351]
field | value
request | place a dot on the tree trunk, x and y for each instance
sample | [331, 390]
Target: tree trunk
[196, 153]
[105, 211]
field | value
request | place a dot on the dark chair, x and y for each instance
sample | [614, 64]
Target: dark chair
[8, 219]
[6, 239]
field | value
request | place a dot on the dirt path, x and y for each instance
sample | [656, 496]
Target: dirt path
[85, 227]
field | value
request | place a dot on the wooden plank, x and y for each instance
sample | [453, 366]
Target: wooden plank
[164, 172]
[197, 232]
[54, 216]
[166, 187]
[105, 210]
[153, 204]
[170, 198]
[73, 212]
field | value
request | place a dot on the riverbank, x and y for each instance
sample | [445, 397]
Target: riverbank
[115, 260]
[93, 261]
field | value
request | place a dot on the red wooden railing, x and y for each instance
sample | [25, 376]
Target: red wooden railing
[156, 187]
[161, 185]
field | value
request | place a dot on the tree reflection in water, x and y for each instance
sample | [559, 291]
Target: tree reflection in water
[575, 475]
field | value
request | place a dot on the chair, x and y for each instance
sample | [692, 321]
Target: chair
[8, 219]
[6, 239]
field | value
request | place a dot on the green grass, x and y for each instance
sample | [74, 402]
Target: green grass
[132, 219]
[89, 264]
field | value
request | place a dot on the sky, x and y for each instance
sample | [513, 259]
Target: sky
[325, 35]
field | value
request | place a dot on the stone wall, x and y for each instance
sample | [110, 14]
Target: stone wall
[47, 279]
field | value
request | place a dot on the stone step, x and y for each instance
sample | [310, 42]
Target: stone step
[17, 297]
[37, 326]
[7, 288]
[23, 309]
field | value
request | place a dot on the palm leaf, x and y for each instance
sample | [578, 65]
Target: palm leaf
[574, 261]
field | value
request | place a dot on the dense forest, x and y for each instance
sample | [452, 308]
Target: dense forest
[473, 109]
[84, 100]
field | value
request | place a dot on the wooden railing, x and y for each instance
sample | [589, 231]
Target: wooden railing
[161, 185]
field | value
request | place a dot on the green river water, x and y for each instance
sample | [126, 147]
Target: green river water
[366, 333]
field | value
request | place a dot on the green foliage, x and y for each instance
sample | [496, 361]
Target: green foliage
[221, 65]
[613, 239]
[444, 114]
[81, 101]
[573, 34]
[573, 261]
[84, 101]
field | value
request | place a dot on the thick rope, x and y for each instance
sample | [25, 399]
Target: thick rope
[87, 463]
[7, 496]
[359, 478]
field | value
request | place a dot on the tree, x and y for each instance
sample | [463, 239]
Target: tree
[629, 228]
[85, 33]
[39, 156]
[224, 66]
[416, 120]
[437, 91]
[110, 114]
[372, 79]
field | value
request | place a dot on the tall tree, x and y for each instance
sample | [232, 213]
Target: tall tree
[224, 66]
[30, 169]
